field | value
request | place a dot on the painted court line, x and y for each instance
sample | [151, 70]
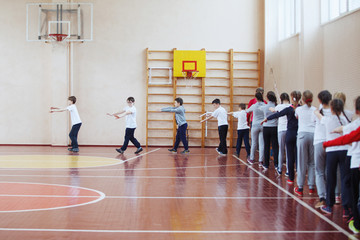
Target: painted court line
[340, 229]
[161, 231]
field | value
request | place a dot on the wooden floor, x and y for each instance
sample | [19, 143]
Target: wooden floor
[155, 195]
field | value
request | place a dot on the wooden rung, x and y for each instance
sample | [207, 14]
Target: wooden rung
[243, 69]
[245, 86]
[170, 138]
[160, 103]
[189, 94]
[247, 52]
[161, 94]
[160, 128]
[217, 78]
[214, 86]
[161, 85]
[160, 60]
[245, 78]
[150, 51]
[194, 138]
[188, 86]
[217, 52]
[244, 95]
[220, 95]
[221, 103]
[160, 120]
[167, 77]
[213, 60]
[247, 61]
[215, 138]
[222, 69]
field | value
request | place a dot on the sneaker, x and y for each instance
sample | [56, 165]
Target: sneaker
[286, 174]
[298, 191]
[290, 182]
[185, 151]
[320, 204]
[260, 164]
[119, 150]
[217, 150]
[353, 228]
[265, 167]
[173, 150]
[70, 149]
[75, 150]
[312, 191]
[139, 150]
[337, 199]
[277, 171]
[250, 161]
[346, 213]
[326, 209]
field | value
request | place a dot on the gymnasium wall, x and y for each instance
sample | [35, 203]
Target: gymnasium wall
[112, 67]
[319, 57]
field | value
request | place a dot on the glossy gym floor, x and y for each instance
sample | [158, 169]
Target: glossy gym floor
[49, 193]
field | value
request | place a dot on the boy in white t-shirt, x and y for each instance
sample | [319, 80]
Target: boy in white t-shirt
[75, 121]
[242, 129]
[221, 115]
[129, 112]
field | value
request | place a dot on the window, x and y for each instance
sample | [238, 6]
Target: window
[331, 9]
[289, 18]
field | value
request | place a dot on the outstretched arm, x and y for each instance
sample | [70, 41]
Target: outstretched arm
[206, 119]
[56, 109]
[354, 136]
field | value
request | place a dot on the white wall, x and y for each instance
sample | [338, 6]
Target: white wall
[320, 57]
[112, 67]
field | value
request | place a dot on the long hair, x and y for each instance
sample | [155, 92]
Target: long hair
[259, 96]
[307, 97]
[337, 107]
[284, 97]
[272, 97]
[296, 96]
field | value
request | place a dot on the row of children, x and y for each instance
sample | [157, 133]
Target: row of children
[307, 134]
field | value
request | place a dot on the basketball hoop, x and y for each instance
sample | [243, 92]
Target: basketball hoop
[58, 37]
[189, 75]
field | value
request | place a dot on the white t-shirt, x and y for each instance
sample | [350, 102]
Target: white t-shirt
[306, 121]
[130, 119]
[332, 122]
[74, 114]
[355, 146]
[221, 116]
[242, 122]
[320, 135]
[282, 121]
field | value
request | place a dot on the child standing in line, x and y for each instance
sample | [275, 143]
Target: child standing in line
[305, 147]
[282, 127]
[319, 152]
[75, 121]
[291, 133]
[354, 157]
[256, 129]
[334, 155]
[221, 115]
[270, 132]
[179, 111]
[129, 112]
[242, 129]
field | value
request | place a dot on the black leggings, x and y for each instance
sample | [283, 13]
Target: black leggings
[270, 136]
[290, 141]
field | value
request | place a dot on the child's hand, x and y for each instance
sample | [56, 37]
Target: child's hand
[317, 111]
[272, 109]
[117, 117]
[109, 114]
[338, 130]
[230, 113]
[265, 120]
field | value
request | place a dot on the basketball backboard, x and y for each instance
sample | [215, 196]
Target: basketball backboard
[187, 61]
[71, 22]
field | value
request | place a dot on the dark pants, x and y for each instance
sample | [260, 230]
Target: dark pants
[223, 129]
[290, 141]
[181, 136]
[333, 159]
[271, 136]
[129, 136]
[243, 134]
[74, 134]
[355, 178]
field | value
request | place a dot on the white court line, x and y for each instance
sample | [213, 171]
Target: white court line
[112, 169]
[340, 229]
[161, 231]
[47, 196]
[123, 176]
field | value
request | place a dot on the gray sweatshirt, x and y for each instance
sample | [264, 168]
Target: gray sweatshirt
[258, 114]
[267, 112]
[179, 114]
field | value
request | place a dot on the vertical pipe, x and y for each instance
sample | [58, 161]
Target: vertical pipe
[203, 108]
[39, 26]
[147, 95]
[57, 18]
[79, 21]
[174, 82]
[61, 12]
